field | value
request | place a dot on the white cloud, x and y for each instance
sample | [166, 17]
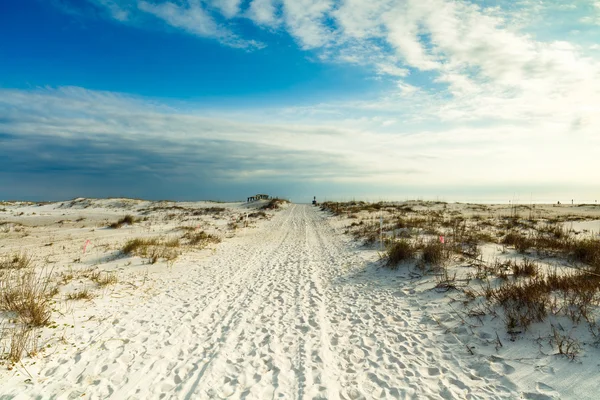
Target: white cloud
[393, 70]
[193, 18]
[264, 12]
[229, 8]
[345, 148]
[116, 10]
[305, 21]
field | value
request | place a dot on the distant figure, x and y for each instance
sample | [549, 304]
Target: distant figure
[314, 202]
[571, 202]
[558, 203]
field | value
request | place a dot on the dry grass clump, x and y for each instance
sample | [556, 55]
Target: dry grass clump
[566, 345]
[104, 279]
[139, 246]
[23, 339]
[258, 214]
[152, 248]
[126, 220]
[520, 242]
[559, 241]
[526, 268]
[201, 238]
[523, 302]
[84, 294]
[209, 210]
[531, 299]
[435, 253]
[27, 294]
[15, 261]
[587, 251]
[398, 252]
[432, 253]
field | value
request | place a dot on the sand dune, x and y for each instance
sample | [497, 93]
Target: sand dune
[288, 307]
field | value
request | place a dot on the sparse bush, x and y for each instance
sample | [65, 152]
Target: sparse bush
[399, 252]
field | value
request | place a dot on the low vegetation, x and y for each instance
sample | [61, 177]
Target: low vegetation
[200, 239]
[15, 261]
[26, 294]
[439, 238]
[29, 296]
[435, 253]
[274, 204]
[126, 220]
[152, 248]
[104, 278]
[22, 340]
[83, 294]
[399, 252]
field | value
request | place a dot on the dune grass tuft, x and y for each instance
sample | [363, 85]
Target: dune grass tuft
[398, 252]
[27, 294]
[126, 220]
[152, 248]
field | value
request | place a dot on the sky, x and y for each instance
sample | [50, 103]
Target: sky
[454, 100]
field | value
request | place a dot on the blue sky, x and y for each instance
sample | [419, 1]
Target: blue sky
[378, 99]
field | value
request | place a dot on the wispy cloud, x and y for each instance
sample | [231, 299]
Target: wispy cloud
[195, 19]
[163, 141]
[89, 132]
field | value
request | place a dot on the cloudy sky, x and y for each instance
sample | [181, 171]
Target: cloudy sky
[372, 99]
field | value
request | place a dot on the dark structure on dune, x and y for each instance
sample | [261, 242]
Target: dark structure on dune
[258, 197]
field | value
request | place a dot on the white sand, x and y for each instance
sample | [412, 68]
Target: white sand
[288, 309]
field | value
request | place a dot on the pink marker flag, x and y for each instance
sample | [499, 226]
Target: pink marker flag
[85, 245]
[442, 239]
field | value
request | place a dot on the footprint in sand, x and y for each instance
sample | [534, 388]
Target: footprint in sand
[352, 394]
[547, 390]
[226, 391]
[430, 371]
[538, 396]
[545, 369]
[501, 368]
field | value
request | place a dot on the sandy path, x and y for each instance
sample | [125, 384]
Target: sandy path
[283, 311]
